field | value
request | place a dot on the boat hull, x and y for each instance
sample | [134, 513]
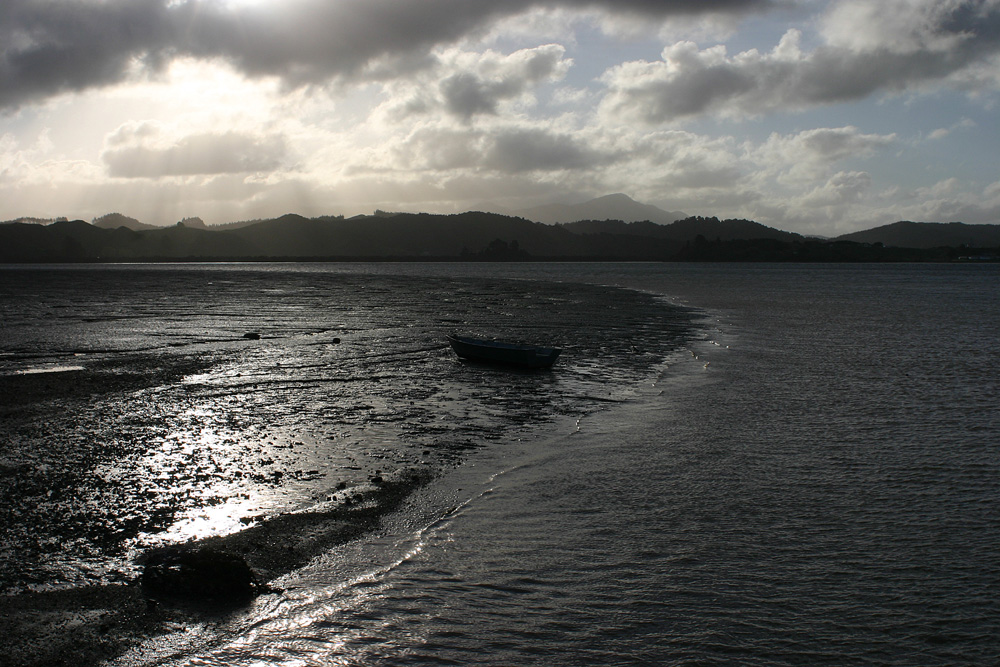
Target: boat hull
[507, 354]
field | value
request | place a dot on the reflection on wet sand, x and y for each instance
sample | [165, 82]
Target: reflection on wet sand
[179, 428]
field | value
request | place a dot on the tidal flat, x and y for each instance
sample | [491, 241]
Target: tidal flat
[270, 413]
[101, 609]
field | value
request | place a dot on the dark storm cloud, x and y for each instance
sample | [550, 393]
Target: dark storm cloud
[52, 46]
[229, 153]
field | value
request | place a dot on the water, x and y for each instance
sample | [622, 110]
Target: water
[803, 470]
[172, 425]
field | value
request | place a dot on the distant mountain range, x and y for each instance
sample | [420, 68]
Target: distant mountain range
[483, 236]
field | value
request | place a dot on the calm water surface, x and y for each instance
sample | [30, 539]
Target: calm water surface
[807, 476]
[823, 492]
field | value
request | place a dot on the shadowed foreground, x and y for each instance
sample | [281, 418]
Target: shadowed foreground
[84, 626]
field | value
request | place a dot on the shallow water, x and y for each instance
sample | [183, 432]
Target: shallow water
[822, 492]
[808, 476]
[176, 426]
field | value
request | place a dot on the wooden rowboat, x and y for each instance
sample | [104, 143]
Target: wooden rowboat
[499, 352]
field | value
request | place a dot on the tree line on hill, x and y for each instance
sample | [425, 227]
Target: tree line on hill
[477, 236]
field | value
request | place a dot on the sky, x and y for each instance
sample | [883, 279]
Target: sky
[813, 116]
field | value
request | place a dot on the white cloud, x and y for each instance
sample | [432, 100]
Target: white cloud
[808, 155]
[539, 150]
[947, 187]
[493, 79]
[904, 26]
[844, 187]
[944, 43]
[950, 201]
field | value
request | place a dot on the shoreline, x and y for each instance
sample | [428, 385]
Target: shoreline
[134, 408]
[88, 625]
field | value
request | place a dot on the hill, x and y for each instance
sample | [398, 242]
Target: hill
[423, 235]
[905, 234]
[473, 236]
[684, 230]
[79, 241]
[116, 220]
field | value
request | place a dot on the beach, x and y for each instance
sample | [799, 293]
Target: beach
[771, 465]
[136, 421]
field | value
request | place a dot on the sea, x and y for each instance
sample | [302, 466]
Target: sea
[729, 464]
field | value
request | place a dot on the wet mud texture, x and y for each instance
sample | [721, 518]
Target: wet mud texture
[88, 624]
[85, 626]
[177, 427]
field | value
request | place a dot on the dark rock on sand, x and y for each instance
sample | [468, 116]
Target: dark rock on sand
[85, 627]
[198, 575]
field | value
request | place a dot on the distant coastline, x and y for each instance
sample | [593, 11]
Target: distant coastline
[481, 237]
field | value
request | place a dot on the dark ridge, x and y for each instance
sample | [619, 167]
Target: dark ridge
[478, 236]
[905, 234]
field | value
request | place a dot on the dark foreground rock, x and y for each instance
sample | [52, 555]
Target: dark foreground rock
[187, 584]
[201, 575]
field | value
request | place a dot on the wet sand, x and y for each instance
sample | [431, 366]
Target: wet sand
[85, 625]
[178, 426]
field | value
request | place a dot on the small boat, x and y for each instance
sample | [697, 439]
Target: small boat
[498, 352]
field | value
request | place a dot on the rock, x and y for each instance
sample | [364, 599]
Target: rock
[198, 575]
[252, 335]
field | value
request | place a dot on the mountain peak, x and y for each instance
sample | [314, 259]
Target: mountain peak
[116, 220]
[615, 198]
[617, 206]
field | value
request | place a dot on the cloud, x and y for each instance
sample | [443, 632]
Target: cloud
[948, 201]
[464, 84]
[673, 168]
[496, 78]
[831, 144]
[137, 152]
[942, 132]
[843, 188]
[946, 42]
[908, 26]
[807, 155]
[511, 149]
[55, 46]
[538, 150]
[344, 106]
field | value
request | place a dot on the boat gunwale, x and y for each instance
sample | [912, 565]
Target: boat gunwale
[493, 351]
